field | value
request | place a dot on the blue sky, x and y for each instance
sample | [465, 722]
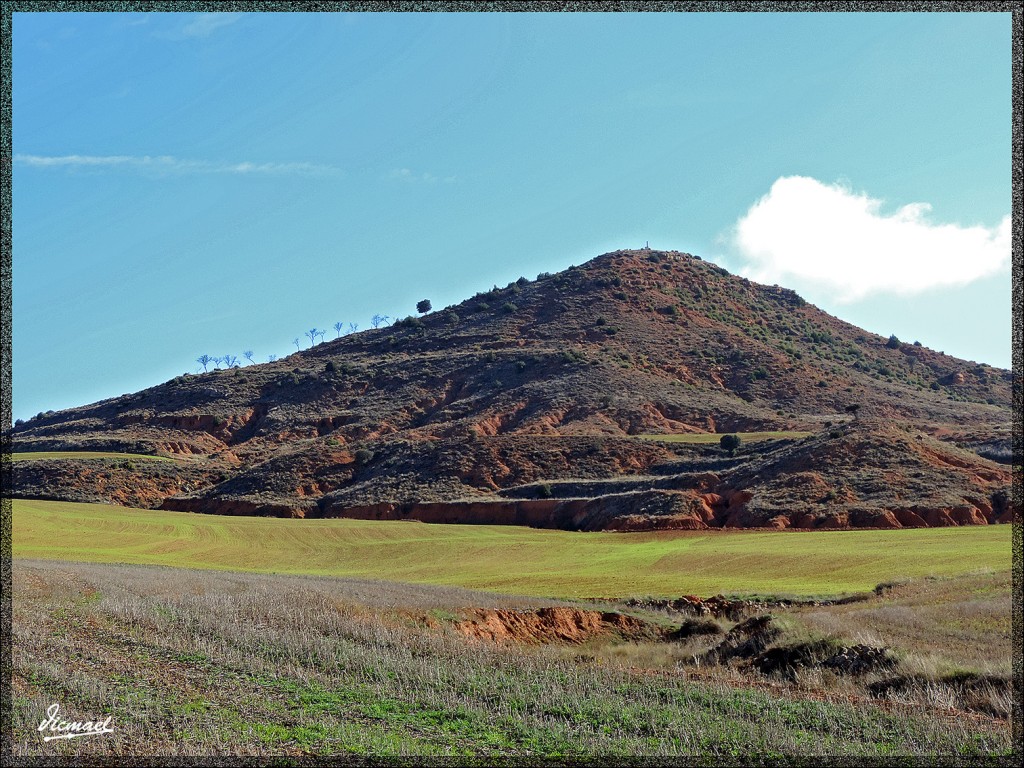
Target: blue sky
[213, 183]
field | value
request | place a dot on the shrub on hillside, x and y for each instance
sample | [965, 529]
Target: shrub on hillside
[730, 443]
[364, 456]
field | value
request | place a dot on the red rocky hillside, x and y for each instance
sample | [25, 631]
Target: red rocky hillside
[527, 405]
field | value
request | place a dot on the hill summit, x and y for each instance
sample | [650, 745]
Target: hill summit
[548, 402]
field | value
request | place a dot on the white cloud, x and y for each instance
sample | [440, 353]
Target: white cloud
[828, 237]
[206, 23]
[169, 164]
[404, 174]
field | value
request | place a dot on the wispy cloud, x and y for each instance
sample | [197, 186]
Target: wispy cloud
[404, 174]
[170, 164]
[205, 24]
[805, 232]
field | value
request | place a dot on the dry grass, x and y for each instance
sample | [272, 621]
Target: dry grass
[202, 663]
[943, 625]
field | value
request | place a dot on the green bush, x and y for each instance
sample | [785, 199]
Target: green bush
[364, 456]
[730, 443]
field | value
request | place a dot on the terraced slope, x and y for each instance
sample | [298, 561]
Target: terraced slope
[530, 388]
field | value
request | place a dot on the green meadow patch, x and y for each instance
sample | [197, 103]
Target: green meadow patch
[709, 438]
[35, 455]
[511, 559]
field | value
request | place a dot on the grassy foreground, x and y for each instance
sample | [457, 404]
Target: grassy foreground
[510, 559]
[207, 663]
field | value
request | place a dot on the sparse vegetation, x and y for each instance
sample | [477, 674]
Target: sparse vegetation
[341, 668]
[313, 334]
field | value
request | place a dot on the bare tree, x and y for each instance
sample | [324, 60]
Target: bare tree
[271, 358]
[337, 328]
[295, 341]
[216, 362]
[248, 356]
[353, 327]
[230, 361]
[312, 333]
[204, 360]
[378, 320]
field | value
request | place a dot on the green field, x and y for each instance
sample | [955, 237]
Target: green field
[713, 438]
[84, 455]
[511, 559]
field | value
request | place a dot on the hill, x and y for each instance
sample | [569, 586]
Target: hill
[526, 404]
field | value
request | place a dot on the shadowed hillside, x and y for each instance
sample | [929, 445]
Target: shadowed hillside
[524, 405]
